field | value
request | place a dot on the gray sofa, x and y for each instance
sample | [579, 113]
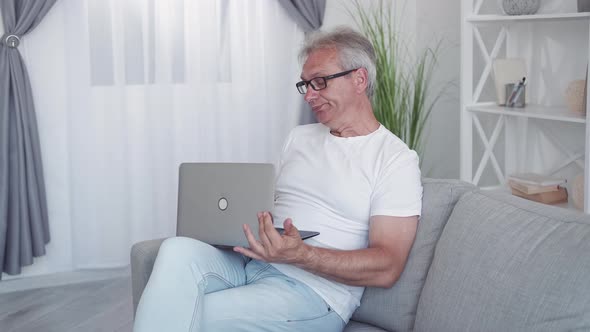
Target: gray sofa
[481, 261]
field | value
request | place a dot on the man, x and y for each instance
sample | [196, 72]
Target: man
[347, 177]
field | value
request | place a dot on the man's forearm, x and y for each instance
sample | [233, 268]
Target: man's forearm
[379, 265]
[363, 267]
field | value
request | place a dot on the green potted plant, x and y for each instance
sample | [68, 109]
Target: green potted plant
[402, 100]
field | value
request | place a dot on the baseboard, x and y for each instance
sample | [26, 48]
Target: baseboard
[63, 278]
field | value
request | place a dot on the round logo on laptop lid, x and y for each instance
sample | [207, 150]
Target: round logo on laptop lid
[222, 203]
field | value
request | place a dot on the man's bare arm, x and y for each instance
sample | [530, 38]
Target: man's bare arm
[380, 265]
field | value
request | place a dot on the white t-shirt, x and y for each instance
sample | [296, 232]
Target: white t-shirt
[334, 185]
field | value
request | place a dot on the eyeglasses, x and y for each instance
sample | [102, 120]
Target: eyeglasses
[319, 83]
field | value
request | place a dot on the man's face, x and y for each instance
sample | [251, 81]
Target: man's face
[329, 104]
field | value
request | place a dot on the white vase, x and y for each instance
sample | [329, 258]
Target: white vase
[574, 96]
[520, 7]
[578, 191]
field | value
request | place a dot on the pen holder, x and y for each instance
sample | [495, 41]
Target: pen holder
[515, 97]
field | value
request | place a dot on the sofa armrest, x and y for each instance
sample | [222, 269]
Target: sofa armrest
[143, 256]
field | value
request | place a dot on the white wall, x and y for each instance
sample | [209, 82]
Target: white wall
[439, 21]
[336, 14]
[403, 11]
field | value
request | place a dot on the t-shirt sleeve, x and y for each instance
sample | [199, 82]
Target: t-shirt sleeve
[398, 189]
[284, 149]
[278, 164]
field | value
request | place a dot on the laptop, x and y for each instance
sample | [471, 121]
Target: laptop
[216, 199]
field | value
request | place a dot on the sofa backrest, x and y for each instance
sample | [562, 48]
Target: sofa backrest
[394, 309]
[506, 264]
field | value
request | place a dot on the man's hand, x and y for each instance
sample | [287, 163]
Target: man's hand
[273, 247]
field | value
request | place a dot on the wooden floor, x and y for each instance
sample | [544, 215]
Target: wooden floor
[103, 305]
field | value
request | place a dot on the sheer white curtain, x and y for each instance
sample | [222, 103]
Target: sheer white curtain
[126, 90]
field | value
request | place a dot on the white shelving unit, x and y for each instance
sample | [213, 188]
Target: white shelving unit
[513, 123]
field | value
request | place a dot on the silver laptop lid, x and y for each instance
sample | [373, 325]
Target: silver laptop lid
[216, 199]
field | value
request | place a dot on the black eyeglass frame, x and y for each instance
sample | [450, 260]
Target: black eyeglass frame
[300, 84]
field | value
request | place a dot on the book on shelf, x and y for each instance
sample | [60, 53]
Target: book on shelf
[531, 188]
[536, 179]
[549, 197]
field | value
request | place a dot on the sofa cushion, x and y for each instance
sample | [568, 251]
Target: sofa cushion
[143, 256]
[507, 264]
[394, 309]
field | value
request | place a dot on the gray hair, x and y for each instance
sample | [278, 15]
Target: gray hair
[354, 51]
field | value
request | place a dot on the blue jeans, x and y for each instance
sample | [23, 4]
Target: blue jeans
[197, 287]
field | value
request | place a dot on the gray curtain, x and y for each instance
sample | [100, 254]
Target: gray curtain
[309, 15]
[24, 228]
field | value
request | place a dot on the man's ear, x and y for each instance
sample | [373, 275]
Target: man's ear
[361, 79]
